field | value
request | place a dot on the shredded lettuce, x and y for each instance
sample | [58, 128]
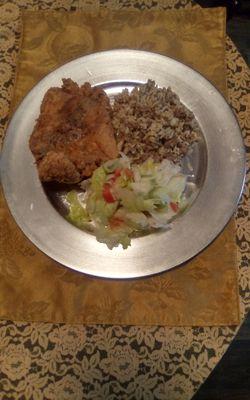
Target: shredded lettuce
[111, 165]
[77, 214]
[175, 187]
[99, 210]
[135, 220]
[113, 237]
[122, 199]
[98, 179]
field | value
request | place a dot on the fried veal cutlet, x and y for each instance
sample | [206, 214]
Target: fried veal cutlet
[73, 134]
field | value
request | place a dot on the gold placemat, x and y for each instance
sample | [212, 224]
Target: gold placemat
[33, 287]
[105, 360]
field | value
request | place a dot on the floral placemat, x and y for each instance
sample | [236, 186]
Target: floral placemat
[205, 292]
[51, 361]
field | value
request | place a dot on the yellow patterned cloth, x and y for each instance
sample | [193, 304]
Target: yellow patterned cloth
[64, 361]
[35, 288]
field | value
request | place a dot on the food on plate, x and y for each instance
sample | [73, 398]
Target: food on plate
[73, 134]
[152, 122]
[122, 199]
[80, 135]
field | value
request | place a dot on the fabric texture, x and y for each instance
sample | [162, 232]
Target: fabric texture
[204, 292]
[52, 361]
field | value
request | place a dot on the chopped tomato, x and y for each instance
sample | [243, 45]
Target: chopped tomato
[118, 172]
[116, 175]
[107, 194]
[128, 173]
[115, 222]
[112, 180]
[174, 206]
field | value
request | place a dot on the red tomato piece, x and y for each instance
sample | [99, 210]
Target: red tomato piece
[107, 194]
[112, 180]
[129, 173]
[118, 172]
[116, 175]
[174, 206]
[115, 222]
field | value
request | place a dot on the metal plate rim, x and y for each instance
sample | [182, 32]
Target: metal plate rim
[113, 272]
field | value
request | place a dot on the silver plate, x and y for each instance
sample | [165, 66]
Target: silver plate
[218, 163]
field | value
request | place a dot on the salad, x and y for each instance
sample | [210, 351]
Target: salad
[121, 199]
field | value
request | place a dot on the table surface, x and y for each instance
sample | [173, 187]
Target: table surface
[230, 378]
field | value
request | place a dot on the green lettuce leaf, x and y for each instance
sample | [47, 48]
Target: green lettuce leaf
[98, 179]
[77, 214]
